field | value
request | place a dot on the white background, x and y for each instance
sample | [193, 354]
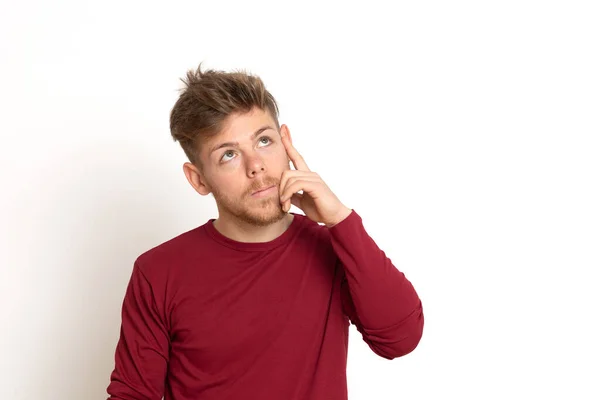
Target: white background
[465, 133]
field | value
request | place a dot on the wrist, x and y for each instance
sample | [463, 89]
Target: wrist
[342, 215]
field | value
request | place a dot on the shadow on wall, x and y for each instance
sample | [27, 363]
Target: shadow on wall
[99, 215]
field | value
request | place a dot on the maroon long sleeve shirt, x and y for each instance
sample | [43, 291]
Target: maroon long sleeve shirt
[206, 317]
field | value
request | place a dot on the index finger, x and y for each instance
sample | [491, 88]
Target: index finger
[293, 154]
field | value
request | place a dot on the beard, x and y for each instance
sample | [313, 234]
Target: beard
[262, 211]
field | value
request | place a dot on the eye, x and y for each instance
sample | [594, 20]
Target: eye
[229, 154]
[225, 155]
[268, 140]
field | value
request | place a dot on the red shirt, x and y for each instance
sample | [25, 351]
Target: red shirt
[208, 318]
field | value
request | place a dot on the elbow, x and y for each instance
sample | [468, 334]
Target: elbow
[410, 341]
[407, 338]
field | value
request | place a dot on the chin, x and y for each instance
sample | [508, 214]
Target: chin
[263, 216]
[262, 213]
[267, 218]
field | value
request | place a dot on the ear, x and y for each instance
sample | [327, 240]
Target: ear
[285, 131]
[195, 178]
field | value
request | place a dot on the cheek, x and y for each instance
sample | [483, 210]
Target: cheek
[225, 184]
[278, 157]
[277, 164]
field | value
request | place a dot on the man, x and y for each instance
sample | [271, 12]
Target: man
[257, 303]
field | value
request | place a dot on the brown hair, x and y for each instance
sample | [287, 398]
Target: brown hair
[206, 101]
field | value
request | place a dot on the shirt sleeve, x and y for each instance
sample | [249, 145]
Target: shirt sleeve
[379, 300]
[142, 352]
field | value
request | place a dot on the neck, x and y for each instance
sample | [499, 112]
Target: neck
[242, 231]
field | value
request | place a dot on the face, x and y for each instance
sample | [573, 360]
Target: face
[246, 156]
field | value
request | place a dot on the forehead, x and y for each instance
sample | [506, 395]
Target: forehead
[238, 127]
[241, 126]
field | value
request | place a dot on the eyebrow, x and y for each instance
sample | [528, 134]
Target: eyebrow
[237, 144]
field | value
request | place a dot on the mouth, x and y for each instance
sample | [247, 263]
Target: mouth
[264, 191]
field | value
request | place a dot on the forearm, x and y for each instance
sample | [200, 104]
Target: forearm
[386, 307]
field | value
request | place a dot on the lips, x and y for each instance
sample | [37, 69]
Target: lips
[263, 189]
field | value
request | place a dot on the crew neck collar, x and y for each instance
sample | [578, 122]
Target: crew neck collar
[253, 246]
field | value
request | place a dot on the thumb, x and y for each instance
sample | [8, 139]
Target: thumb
[297, 199]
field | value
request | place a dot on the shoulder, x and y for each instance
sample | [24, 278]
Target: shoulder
[165, 256]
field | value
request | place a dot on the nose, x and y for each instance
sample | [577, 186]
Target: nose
[255, 165]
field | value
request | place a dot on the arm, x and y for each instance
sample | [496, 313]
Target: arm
[142, 352]
[377, 297]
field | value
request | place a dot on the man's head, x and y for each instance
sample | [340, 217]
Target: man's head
[227, 125]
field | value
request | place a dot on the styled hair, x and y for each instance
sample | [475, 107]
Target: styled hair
[208, 98]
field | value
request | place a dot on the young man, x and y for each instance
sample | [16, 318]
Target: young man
[257, 303]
